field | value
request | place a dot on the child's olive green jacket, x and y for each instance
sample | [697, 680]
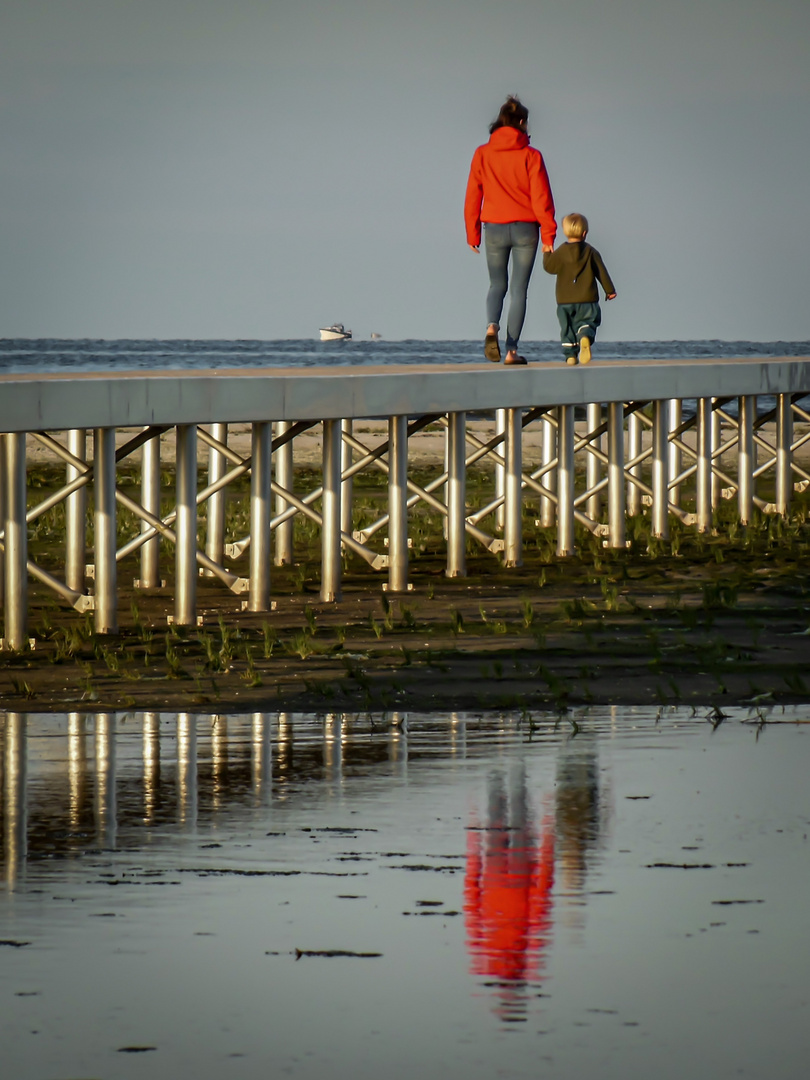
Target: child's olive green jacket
[578, 267]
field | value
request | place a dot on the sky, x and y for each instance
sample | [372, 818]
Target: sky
[261, 168]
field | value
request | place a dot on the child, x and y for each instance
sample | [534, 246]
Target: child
[578, 267]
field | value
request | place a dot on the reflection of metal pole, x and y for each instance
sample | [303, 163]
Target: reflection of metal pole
[151, 766]
[333, 747]
[187, 770]
[75, 515]
[105, 779]
[283, 466]
[398, 743]
[219, 760]
[260, 761]
[284, 749]
[458, 736]
[15, 830]
[77, 766]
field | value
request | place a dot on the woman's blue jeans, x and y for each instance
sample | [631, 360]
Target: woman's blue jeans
[518, 239]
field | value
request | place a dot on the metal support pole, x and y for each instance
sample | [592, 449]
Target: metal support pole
[346, 491]
[16, 544]
[150, 500]
[675, 453]
[616, 490]
[548, 509]
[106, 571]
[185, 586]
[76, 516]
[716, 482]
[784, 438]
[283, 467]
[398, 504]
[215, 505]
[565, 481]
[660, 473]
[747, 407]
[456, 495]
[513, 502]
[330, 530]
[703, 498]
[633, 450]
[500, 472]
[260, 507]
[3, 481]
[593, 466]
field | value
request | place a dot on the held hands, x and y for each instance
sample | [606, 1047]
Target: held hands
[547, 247]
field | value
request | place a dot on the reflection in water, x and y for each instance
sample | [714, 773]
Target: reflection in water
[77, 769]
[580, 813]
[507, 891]
[151, 767]
[105, 805]
[187, 770]
[511, 871]
[219, 762]
[260, 761]
[15, 832]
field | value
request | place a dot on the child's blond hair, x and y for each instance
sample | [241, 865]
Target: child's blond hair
[575, 225]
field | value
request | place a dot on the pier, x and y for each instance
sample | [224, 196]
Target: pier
[616, 441]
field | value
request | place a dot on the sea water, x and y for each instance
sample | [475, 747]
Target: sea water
[19, 355]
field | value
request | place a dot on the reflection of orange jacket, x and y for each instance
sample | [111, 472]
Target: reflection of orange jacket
[507, 904]
[508, 182]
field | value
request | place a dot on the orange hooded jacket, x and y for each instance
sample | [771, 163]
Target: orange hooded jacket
[508, 182]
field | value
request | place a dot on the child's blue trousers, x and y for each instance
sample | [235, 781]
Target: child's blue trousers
[577, 321]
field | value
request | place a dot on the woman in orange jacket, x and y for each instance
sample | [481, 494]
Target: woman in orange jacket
[508, 190]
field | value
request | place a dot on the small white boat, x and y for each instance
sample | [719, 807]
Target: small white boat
[376, 337]
[335, 332]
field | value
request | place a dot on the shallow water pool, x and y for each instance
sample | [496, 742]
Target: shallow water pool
[617, 892]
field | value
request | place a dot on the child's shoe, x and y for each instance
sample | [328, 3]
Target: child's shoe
[584, 350]
[571, 360]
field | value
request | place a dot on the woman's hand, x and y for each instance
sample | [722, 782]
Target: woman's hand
[474, 248]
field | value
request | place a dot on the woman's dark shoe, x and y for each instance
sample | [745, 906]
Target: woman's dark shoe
[492, 350]
[515, 360]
